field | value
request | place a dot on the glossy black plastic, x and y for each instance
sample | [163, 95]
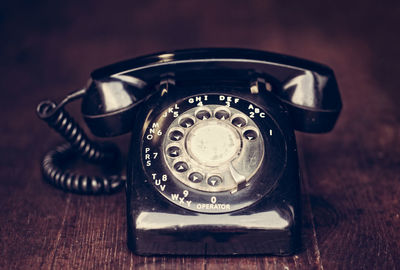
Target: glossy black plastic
[309, 89]
[109, 105]
[271, 225]
[295, 93]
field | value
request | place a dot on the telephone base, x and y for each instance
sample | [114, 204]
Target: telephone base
[250, 232]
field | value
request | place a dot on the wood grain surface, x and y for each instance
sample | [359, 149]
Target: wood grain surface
[351, 176]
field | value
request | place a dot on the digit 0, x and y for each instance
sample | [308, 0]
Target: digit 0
[213, 199]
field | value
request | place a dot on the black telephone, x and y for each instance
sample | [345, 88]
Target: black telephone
[213, 165]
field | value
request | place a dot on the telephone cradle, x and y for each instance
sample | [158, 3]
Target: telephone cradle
[213, 166]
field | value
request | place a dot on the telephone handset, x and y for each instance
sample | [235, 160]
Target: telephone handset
[213, 165]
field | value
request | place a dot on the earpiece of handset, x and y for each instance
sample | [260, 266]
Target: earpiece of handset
[312, 97]
[109, 105]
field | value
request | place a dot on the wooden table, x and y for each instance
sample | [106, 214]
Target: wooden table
[351, 182]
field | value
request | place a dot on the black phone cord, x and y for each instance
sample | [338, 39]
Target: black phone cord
[78, 144]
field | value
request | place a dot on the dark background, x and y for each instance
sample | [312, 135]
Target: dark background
[351, 177]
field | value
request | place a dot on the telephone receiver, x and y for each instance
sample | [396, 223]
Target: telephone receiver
[213, 166]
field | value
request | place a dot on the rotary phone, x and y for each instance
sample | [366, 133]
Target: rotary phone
[213, 164]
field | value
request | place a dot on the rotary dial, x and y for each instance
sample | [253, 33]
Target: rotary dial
[213, 148]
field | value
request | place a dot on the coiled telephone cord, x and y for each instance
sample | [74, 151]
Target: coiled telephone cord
[78, 144]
